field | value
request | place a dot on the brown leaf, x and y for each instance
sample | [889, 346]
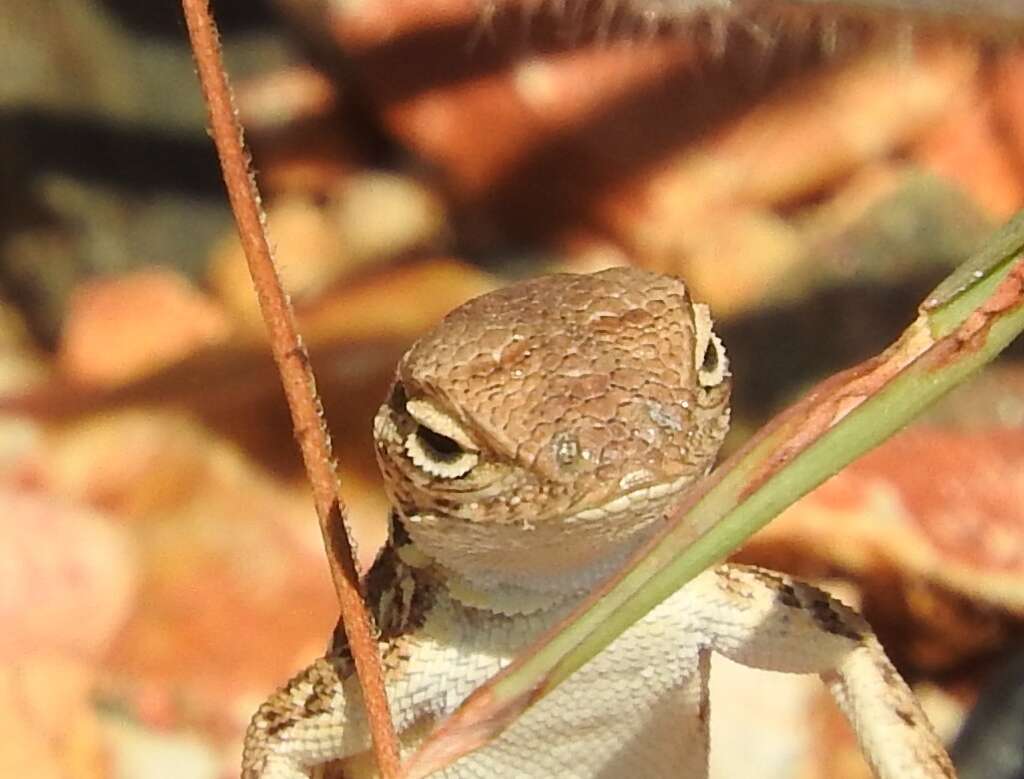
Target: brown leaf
[122, 328]
[233, 592]
[69, 576]
[931, 526]
[968, 146]
[47, 724]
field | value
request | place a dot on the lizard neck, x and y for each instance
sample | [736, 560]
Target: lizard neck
[506, 593]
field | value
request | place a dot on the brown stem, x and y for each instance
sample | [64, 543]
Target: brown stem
[296, 376]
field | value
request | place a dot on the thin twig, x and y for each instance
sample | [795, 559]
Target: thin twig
[296, 376]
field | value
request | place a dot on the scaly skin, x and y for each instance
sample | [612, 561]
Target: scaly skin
[529, 443]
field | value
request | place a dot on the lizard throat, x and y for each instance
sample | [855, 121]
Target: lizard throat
[557, 556]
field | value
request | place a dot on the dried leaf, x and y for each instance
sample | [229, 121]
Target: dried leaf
[69, 576]
[122, 328]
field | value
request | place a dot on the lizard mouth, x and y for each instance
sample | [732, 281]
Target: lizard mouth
[633, 509]
[544, 553]
[635, 500]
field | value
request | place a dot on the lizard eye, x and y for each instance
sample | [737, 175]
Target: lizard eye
[438, 454]
[709, 356]
[439, 446]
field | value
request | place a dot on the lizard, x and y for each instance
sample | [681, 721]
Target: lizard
[529, 444]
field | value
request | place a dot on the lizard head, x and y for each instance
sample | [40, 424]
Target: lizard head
[538, 430]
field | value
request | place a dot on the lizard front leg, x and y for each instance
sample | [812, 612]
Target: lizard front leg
[766, 620]
[305, 723]
[318, 716]
[435, 652]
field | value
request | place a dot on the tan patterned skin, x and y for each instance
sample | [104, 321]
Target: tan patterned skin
[530, 442]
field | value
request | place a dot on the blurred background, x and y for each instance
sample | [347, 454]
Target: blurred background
[810, 176]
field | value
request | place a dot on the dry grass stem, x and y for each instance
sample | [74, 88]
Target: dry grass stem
[296, 375]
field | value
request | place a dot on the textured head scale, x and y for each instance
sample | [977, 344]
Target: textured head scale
[550, 421]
